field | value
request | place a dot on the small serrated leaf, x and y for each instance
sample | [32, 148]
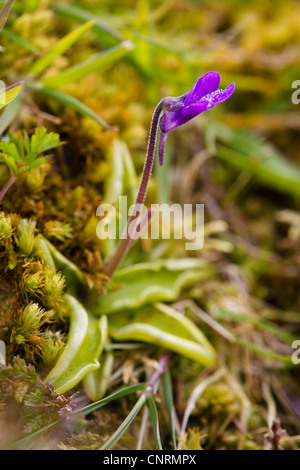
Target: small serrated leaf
[10, 162]
[41, 140]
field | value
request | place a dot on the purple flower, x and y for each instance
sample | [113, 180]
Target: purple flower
[177, 111]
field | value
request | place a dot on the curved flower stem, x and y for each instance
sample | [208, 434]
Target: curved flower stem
[113, 262]
[6, 187]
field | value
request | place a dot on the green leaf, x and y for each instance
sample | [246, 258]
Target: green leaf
[59, 48]
[163, 326]
[42, 141]
[22, 144]
[142, 53]
[20, 41]
[37, 162]
[96, 382]
[262, 160]
[43, 252]
[130, 177]
[264, 352]
[9, 114]
[25, 151]
[29, 158]
[125, 425]
[5, 12]
[154, 420]
[101, 27]
[161, 280]
[263, 325]
[69, 270]
[72, 102]
[169, 404]
[93, 64]
[10, 149]
[121, 181]
[86, 340]
[123, 392]
[10, 162]
[9, 93]
[113, 189]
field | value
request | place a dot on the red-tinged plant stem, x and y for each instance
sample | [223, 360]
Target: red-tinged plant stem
[5, 188]
[154, 380]
[125, 243]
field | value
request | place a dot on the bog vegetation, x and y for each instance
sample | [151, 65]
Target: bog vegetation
[187, 350]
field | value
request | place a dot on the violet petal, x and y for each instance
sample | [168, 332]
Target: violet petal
[224, 94]
[207, 84]
[194, 110]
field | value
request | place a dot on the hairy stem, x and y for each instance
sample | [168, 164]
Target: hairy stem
[113, 262]
[5, 188]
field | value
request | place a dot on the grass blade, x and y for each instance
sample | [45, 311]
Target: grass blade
[72, 102]
[79, 14]
[60, 48]
[123, 392]
[4, 13]
[263, 351]
[262, 325]
[169, 403]
[20, 41]
[125, 425]
[92, 65]
[154, 420]
[85, 411]
[258, 158]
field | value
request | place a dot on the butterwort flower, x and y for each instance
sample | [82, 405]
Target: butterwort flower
[169, 114]
[203, 96]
